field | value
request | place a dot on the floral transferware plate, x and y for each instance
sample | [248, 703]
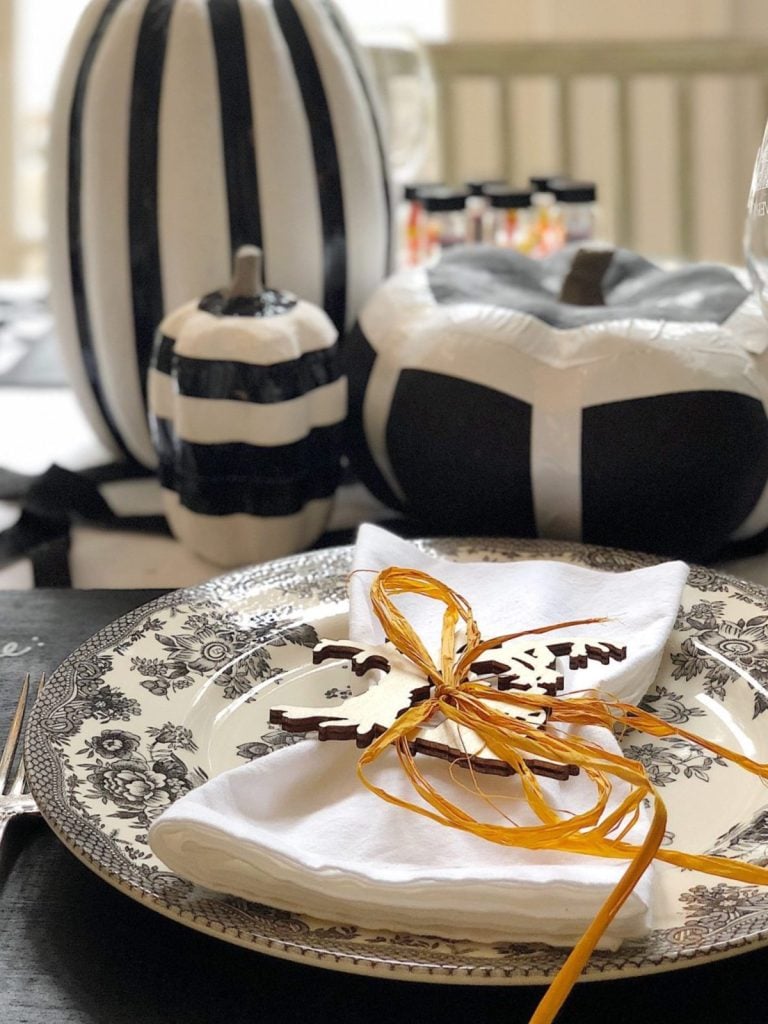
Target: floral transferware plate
[180, 689]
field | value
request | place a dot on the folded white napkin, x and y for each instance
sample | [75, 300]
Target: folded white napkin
[298, 831]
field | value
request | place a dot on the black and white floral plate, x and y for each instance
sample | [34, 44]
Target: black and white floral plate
[178, 691]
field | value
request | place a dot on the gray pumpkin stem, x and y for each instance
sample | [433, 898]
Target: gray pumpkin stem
[247, 279]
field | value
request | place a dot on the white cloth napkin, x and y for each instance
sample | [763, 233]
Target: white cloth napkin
[298, 831]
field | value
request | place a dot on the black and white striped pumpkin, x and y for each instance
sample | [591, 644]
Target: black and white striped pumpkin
[183, 129]
[247, 404]
[481, 401]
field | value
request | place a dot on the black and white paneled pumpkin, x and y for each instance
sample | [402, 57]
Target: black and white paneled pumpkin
[247, 404]
[492, 393]
[183, 129]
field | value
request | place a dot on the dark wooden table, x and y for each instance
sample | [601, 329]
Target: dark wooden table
[73, 950]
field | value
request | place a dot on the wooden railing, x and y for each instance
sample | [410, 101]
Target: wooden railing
[682, 64]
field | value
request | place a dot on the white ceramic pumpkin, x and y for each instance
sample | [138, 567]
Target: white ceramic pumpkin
[496, 394]
[247, 404]
[183, 129]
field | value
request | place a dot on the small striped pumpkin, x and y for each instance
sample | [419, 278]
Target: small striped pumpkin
[247, 404]
[183, 129]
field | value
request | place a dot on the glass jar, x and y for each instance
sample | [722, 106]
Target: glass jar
[446, 215]
[509, 218]
[543, 182]
[577, 206]
[477, 208]
[546, 228]
[413, 225]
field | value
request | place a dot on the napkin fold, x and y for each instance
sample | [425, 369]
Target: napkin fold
[298, 831]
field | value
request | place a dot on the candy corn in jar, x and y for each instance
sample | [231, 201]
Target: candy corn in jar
[413, 228]
[547, 226]
[446, 216]
[509, 216]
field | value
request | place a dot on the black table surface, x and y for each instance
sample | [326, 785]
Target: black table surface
[73, 950]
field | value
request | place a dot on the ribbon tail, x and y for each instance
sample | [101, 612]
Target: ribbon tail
[577, 959]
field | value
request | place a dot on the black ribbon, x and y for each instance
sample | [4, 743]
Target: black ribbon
[55, 502]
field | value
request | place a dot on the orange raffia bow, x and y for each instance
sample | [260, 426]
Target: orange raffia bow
[593, 831]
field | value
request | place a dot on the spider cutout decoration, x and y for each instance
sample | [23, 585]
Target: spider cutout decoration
[396, 684]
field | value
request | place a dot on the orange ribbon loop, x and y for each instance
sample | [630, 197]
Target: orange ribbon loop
[593, 831]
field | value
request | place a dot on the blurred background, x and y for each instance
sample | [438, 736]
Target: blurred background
[661, 103]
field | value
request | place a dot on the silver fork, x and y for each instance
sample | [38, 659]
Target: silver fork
[14, 797]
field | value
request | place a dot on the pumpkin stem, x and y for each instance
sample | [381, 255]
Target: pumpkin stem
[247, 279]
[583, 285]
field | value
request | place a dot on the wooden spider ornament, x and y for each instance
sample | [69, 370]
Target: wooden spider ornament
[396, 685]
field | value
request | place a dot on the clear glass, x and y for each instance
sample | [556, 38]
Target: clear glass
[407, 90]
[756, 227]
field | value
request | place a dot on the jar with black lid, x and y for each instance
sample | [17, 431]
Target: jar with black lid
[546, 228]
[577, 208]
[543, 182]
[509, 217]
[446, 214]
[477, 207]
[413, 224]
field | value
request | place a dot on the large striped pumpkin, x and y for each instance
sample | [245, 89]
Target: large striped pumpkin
[183, 129]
